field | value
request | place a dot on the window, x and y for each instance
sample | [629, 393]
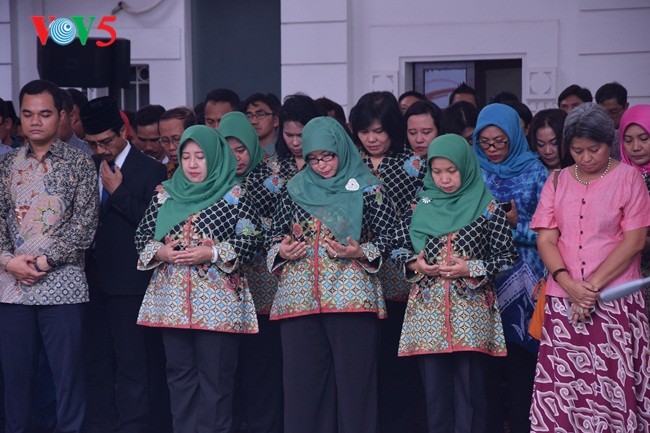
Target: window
[137, 94]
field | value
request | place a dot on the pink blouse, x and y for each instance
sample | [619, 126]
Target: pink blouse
[591, 219]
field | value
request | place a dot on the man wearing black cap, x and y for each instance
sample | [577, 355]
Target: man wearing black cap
[116, 349]
[49, 205]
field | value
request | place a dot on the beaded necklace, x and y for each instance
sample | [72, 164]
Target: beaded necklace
[586, 182]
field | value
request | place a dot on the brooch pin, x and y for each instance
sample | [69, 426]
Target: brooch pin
[352, 185]
[426, 200]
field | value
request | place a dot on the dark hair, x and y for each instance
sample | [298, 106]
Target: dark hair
[589, 121]
[268, 98]
[464, 88]
[383, 108]
[10, 111]
[3, 109]
[581, 92]
[181, 113]
[413, 93]
[36, 87]
[459, 116]
[504, 97]
[297, 108]
[223, 95]
[78, 97]
[612, 90]
[68, 103]
[326, 105]
[553, 118]
[522, 110]
[425, 106]
[199, 111]
[148, 114]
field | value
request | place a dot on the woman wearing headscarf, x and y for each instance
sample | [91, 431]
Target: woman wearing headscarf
[260, 355]
[635, 151]
[515, 177]
[594, 358]
[330, 234]
[456, 240]
[199, 227]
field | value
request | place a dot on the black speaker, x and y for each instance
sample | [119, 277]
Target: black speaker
[77, 65]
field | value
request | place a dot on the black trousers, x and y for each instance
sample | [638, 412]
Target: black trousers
[260, 366]
[330, 373]
[510, 388]
[21, 330]
[116, 365]
[401, 394]
[456, 391]
[201, 377]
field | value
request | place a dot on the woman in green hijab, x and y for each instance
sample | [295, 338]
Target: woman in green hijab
[329, 237]
[454, 241]
[197, 230]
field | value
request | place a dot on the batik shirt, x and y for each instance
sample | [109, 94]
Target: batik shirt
[319, 283]
[402, 175]
[209, 296]
[264, 185]
[48, 207]
[450, 315]
[514, 288]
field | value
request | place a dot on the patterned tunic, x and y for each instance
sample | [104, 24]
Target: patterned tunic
[264, 185]
[48, 207]
[462, 314]
[514, 288]
[319, 283]
[402, 175]
[211, 296]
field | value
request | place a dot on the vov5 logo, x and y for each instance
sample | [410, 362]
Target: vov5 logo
[63, 30]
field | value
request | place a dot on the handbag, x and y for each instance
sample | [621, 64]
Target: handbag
[537, 321]
[539, 295]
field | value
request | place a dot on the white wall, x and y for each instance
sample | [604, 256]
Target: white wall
[560, 42]
[159, 38]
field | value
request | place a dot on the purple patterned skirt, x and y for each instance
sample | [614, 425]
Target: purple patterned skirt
[593, 377]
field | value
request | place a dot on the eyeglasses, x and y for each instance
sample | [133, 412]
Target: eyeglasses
[259, 115]
[311, 160]
[497, 144]
[103, 143]
[166, 141]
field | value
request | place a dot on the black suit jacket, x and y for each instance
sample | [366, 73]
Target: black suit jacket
[111, 266]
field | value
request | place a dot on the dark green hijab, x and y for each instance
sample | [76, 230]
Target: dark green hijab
[337, 201]
[236, 125]
[438, 213]
[187, 197]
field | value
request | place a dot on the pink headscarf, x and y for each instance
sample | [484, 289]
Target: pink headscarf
[639, 114]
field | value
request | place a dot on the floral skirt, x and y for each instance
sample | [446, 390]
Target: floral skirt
[595, 376]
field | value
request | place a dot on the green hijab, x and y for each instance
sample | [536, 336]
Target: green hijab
[337, 201]
[187, 197]
[236, 125]
[438, 213]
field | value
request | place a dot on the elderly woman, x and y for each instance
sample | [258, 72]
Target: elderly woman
[545, 138]
[594, 361]
[461, 239]
[515, 177]
[328, 240]
[198, 229]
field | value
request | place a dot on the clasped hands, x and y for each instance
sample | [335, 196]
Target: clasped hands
[457, 269]
[27, 268]
[187, 256]
[291, 249]
[584, 296]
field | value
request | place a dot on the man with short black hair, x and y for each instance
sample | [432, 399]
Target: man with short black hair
[171, 125]
[5, 127]
[613, 98]
[78, 101]
[406, 99]
[146, 137]
[49, 206]
[66, 133]
[262, 110]
[116, 346]
[217, 103]
[464, 93]
[573, 96]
